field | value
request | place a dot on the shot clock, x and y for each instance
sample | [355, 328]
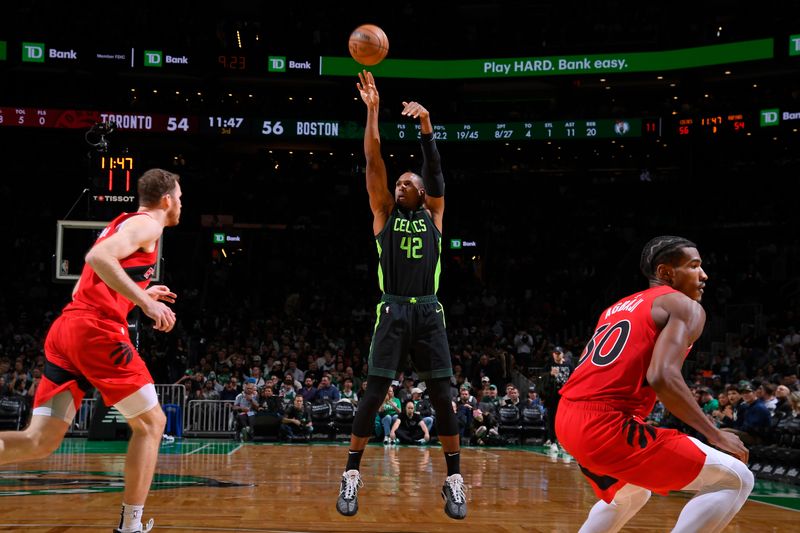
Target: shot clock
[113, 184]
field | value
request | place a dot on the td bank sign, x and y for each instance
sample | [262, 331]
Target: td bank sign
[157, 58]
[773, 117]
[37, 52]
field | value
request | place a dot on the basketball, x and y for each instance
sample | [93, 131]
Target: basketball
[368, 44]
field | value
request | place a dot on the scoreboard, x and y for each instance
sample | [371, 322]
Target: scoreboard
[277, 127]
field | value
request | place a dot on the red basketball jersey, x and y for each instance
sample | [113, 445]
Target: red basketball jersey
[95, 296]
[613, 366]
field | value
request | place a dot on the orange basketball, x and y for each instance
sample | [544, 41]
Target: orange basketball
[368, 44]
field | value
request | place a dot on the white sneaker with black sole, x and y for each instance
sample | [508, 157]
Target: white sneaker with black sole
[347, 503]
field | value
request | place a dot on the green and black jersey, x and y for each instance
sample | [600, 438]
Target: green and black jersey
[409, 249]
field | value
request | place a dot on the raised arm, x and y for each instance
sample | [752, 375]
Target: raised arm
[432, 177]
[139, 232]
[381, 200]
[685, 319]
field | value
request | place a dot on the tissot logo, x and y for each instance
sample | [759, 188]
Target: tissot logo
[33, 52]
[112, 198]
[153, 58]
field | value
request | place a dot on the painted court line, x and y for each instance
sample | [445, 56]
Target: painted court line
[198, 449]
[235, 450]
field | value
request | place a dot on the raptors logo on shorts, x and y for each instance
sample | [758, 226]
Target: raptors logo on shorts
[123, 352]
[632, 426]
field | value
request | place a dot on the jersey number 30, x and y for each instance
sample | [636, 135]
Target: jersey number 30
[603, 352]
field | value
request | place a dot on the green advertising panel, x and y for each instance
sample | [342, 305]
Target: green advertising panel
[702, 56]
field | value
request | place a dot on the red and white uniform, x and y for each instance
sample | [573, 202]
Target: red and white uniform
[89, 343]
[600, 417]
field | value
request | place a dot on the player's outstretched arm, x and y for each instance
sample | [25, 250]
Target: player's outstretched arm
[685, 322]
[381, 202]
[432, 176]
[105, 256]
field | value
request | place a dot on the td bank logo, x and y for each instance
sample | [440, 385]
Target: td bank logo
[153, 58]
[3, 49]
[794, 45]
[277, 64]
[770, 117]
[33, 52]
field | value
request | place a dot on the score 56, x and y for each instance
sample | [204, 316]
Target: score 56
[270, 128]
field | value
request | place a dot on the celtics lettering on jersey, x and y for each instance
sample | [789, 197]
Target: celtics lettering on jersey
[408, 252]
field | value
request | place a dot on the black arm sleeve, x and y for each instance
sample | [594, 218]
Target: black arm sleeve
[432, 176]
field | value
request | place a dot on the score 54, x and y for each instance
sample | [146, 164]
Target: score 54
[177, 123]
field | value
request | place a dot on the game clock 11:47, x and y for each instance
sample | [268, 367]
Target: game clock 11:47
[228, 124]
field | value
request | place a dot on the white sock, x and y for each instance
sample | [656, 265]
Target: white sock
[130, 518]
[610, 517]
[723, 486]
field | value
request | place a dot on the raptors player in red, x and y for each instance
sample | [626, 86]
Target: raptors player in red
[636, 354]
[88, 345]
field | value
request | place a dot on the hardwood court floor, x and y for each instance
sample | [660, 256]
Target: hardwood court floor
[224, 486]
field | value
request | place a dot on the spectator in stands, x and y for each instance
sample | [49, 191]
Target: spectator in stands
[192, 381]
[523, 343]
[255, 373]
[309, 391]
[488, 367]
[388, 413]
[724, 410]
[783, 407]
[484, 427]
[409, 427]
[794, 401]
[423, 407]
[734, 408]
[245, 406]
[327, 391]
[512, 398]
[296, 421]
[557, 373]
[708, 403]
[209, 392]
[533, 399]
[347, 392]
[268, 402]
[466, 404]
[313, 372]
[230, 391]
[404, 394]
[766, 393]
[656, 416]
[288, 389]
[753, 421]
[296, 373]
